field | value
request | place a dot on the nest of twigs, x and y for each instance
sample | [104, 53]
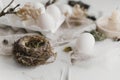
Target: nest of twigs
[32, 50]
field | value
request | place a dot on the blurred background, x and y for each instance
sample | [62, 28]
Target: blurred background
[104, 6]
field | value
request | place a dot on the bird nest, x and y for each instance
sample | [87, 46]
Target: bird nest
[33, 50]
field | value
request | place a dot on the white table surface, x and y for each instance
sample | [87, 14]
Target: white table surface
[104, 66]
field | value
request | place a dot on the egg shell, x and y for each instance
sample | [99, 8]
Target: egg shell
[54, 11]
[66, 9]
[85, 43]
[40, 6]
[46, 22]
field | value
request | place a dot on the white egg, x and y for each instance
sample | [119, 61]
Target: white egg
[46, 22]
[66, 9]
[85, 43]
[39, 6]
[54, 11]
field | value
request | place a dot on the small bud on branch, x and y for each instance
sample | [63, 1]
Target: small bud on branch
[8, 10]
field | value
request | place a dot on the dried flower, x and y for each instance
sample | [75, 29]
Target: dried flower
[78, 17]
[28, 11]
[78, 12]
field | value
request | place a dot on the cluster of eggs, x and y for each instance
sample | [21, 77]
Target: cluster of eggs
[85, 43]
[49, 18]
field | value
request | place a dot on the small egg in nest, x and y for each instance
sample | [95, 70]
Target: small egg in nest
[32, 50]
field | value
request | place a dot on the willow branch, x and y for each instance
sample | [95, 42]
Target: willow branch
[9, 10]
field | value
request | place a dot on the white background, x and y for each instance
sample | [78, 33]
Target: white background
[106, 65]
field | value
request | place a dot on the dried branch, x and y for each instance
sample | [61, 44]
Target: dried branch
[9, 10]
[7, 5]
[28, 11]
[50, 2]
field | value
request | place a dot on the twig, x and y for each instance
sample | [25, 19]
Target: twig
[9, 10]
[50, 2]
[7, 5]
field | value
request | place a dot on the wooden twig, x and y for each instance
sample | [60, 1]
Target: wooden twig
[7, 5]
[9, 10]
[50, 2]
